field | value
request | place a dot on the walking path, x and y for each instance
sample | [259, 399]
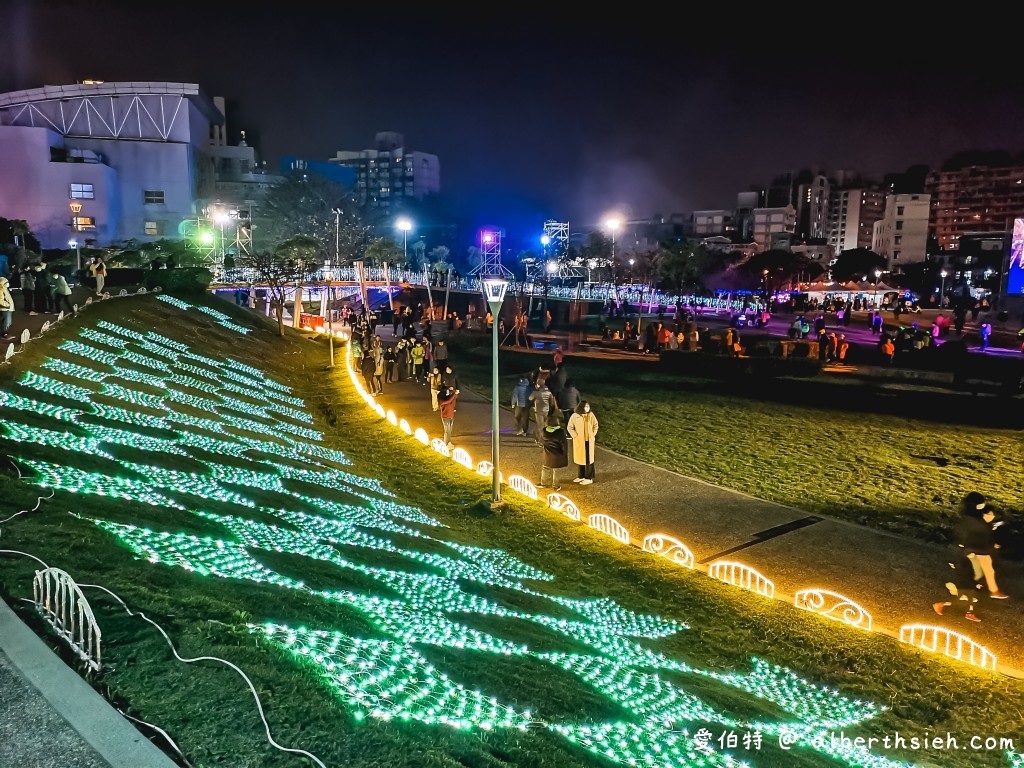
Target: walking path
[896, 579]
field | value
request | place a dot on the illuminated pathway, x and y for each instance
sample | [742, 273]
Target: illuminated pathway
[895, 578]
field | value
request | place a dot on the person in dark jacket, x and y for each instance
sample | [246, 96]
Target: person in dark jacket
[541, 399]
[521, 405]
[568, 397]
[28, 289]
[390, 358]
[449, 378]
[367, 367]
[556, 454]
[446, 400]
[975, 539]
[44, 290]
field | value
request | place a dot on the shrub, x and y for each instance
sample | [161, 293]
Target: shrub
[186, 280]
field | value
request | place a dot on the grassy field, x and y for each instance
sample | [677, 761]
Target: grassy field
[826, 453]
[448, 636]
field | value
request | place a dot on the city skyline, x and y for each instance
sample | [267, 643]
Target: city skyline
[536, 119]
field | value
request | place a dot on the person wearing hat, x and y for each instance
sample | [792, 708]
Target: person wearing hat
[975, 539]
[6, 308]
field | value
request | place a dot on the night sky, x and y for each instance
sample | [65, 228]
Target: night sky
[537, 116]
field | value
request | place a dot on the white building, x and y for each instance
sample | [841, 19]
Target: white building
[901, 235]
[105, 162]
[851, 218]
[389, 174]
[710, 223]
[772, 221]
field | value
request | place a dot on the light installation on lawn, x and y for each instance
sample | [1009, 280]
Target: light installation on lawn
[390, 678]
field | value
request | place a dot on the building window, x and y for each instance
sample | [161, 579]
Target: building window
[899, 210]
[898, 239]
[82, 192]
[895, 255]
[899, 225]
[83, 223]
[153, 228]
[153, 197]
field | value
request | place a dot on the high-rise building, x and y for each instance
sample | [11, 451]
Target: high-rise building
[975, 198]
[901, 235]
[812, 208]
[389, 174]
[711, 222]
[851, 218]
[240, 179]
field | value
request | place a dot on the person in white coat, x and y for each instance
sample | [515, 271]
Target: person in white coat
[582, 428]
[6, 309]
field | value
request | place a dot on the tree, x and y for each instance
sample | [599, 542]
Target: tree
[381, 249]
[440, 259]
[772, 268]
[857, 263]
[305, 204]
[287, 266]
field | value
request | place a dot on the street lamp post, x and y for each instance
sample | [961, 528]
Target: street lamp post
[78, 254]
[942, 291]
[337, 235]
[613, 225]
[878, 274]
[405, 225]
[494, 290]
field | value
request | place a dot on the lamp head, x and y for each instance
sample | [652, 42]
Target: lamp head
[73, 243]
[494, 290]
[551, 267]
[404, 224]
[613, 224]
[545, 239]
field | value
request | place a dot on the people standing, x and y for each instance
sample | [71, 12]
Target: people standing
[401, 360]
[450, 379]
[582, 429]
[43, 292]
[28, 289]
[555, 454]
[6, 309]
[986, 335]
[541, 399]
[390, 358]
[367, 366]
[446, 399]
[521, 405]
[418, 356]
[434, 382]
[440, 353]
[975, 537]
[842, 347]
[61, 291]
[568, 398]
[99, 271]
[378, 367]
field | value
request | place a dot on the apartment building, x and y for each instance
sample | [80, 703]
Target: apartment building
[851, 218]
[901, 235]
[389, 174]
[973, 199]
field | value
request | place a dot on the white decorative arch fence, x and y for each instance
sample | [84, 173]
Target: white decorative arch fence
[422, 436]
[461, 456]
[405, 426]
[63, 606]
[440, 446]
[948, 643]
[563, 504]
[522, 485]
[610, 526]
[834, 606]
[670, 548]
[742, 576]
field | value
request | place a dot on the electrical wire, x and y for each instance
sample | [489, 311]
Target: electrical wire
[163, 733]
[248, 682]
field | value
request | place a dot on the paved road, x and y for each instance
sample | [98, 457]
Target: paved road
[894, 578]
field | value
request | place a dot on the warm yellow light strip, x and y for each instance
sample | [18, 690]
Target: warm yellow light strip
[833, 605]
[824, 602]
[523, 486]
[670, 548]
[609, 525]
[742, 576]
[948, 643]
[562, 504]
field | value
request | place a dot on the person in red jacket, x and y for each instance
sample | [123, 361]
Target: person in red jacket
[446, 402]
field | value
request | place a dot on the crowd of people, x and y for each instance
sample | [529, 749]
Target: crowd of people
[44, 291]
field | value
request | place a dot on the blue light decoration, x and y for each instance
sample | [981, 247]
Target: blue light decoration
[428, 602]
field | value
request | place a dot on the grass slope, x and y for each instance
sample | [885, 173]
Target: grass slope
[891, 472]
[208, 711]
